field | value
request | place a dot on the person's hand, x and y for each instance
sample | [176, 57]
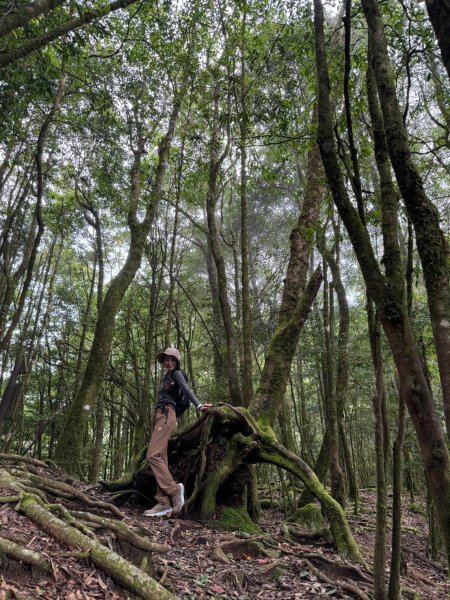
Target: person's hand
[204, 407]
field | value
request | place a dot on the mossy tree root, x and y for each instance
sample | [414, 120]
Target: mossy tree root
[59, 488]
[238, 448]
[26, 555]
[276, 454]
[123, 531]
[251, 441]
[119, 569]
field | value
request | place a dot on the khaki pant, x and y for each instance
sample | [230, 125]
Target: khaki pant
[164, 425]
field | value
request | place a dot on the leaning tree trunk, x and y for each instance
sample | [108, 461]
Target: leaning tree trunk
[388, 294]
[296, 300]
[431, 242]
[87, 16]
[68, 453]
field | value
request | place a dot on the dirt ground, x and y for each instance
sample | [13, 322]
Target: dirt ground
[266, 566]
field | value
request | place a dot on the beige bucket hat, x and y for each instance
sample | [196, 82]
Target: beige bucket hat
[169, 352]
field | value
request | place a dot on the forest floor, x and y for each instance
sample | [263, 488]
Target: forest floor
[203, 563]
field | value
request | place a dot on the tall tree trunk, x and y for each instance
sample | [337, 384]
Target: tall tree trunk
[215, 161]
[296, 301]
[431, 242]
[69, 450]
[389, 297]
[247, 379]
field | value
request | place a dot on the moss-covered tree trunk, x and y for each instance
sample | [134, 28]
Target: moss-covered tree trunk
[388, 294]
[68, 453]
[432, 244]
[296, 301]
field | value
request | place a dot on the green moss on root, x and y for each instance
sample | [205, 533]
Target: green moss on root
[235, 519]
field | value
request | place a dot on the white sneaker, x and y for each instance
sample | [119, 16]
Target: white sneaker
[178, 499]
[160, 510]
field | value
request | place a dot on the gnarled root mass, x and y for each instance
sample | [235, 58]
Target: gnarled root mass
[221, 447]
[36, 492]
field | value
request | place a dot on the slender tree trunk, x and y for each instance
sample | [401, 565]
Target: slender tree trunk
[397, 476]
[336, 475]
[219, 345]
[215, 162]
[247, 379]
[379, 560]
[69, 450]
[170, 300]
[5, 340]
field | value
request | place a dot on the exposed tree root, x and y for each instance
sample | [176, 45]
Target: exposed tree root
[59, 488]
[122, 531]
[18, 552]
[344, 585]
[297, 534]
[109, 561]
[424, 559]
[77, 529]
[16, 458]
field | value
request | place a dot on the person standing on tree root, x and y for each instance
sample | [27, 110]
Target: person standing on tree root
[173, 398]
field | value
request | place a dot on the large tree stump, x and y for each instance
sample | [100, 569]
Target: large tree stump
[213, 458]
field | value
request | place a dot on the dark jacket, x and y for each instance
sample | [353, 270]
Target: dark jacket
[169, 390]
